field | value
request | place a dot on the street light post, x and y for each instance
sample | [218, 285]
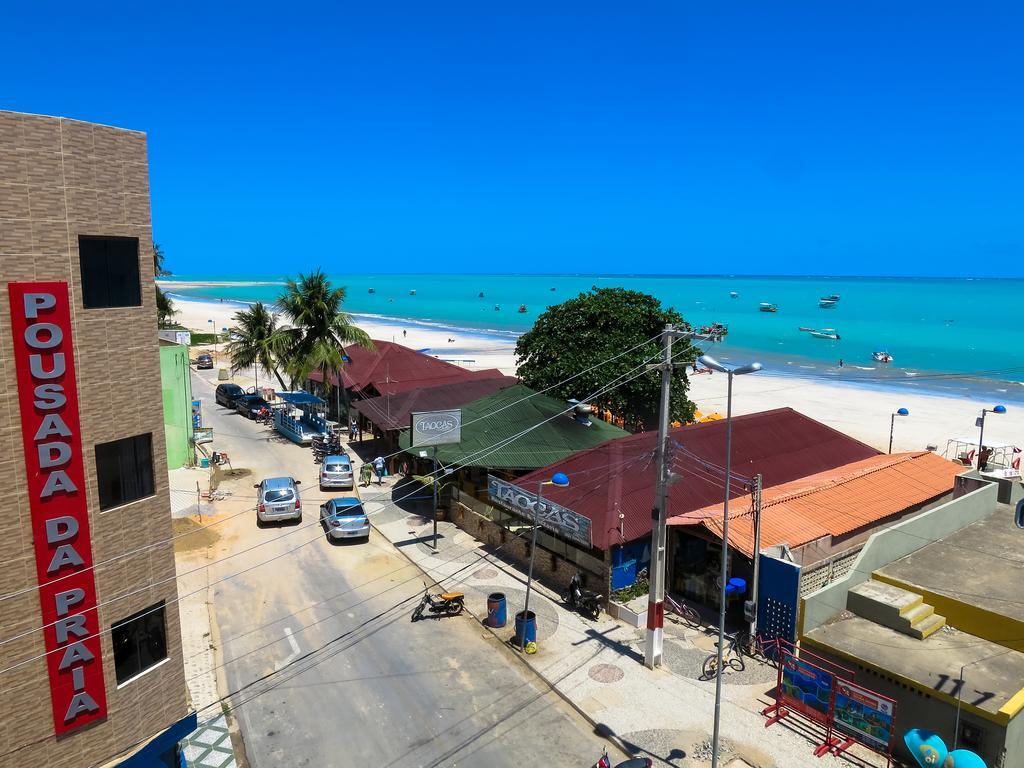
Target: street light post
[214, 326]
[981, 431]
[892, 423]
[710, 362]
[561, 480]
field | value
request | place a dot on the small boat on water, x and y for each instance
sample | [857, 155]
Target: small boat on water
[768, 307]
[372, 290]
[551, 289]
[715, 331]
[881, 356]
[826, 333]
[805, 328]
[733, 295]
[832, 297]
[412, 292]
[522, 308]
[480, 295]
[827, 303]
[497, 307]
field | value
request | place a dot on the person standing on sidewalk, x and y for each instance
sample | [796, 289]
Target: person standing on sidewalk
[378, 467]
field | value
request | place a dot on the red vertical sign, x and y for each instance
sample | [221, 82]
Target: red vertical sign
[50, 428]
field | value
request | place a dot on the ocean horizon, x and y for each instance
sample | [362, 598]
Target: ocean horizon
[950, 336]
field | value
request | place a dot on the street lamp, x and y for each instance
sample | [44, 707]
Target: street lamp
[214, 339]
[892, 423]
[710, 362]
[981, 424]
[562, 481]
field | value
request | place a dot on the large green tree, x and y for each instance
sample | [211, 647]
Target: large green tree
[320, 328]
[579, 335]
[256, 340]
[165, 310]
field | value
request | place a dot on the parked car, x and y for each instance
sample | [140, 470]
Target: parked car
[336, 472]
[204, 362]
[344, 518]
[250, 405]
[277, 498]
[227, 394]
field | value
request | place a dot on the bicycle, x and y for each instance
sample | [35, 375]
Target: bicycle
[732, 655]
[684, 611]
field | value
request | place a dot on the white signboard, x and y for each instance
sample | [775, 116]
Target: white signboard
[554, 517]
[436, 428]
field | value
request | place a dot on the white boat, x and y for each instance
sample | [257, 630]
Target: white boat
[826, 333]
[766, 306]
[805, 328]
[412, 293]
[827, 303]
[733, 295]
[881, 356]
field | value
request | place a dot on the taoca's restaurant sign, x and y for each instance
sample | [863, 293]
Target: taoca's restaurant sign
[554, 517]
[51, 432]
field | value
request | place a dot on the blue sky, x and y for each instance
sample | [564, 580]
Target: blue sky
[783, 137]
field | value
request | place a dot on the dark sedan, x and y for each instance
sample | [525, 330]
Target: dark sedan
[228, 394]
[250, 405]
[204, 362]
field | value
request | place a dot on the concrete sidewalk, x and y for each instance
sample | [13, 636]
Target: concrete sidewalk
[665, 714]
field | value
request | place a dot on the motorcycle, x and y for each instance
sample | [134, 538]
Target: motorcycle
[446, 603]
[583, 600]
[635, 762]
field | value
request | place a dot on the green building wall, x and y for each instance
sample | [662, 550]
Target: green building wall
[176, 386]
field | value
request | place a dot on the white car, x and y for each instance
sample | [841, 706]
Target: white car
[278, 499]
[336, 472]
[344, 518]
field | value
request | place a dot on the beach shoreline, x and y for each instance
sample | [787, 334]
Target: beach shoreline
[859, 408]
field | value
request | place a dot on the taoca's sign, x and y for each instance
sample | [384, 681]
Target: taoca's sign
[436, 427]
[556, 518]
[51, 435]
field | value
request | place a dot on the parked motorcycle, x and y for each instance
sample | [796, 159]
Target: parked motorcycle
[446, 603]
[635, 762]
[582, 600]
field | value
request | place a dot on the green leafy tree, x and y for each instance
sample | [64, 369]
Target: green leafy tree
[256, 340]
[165, 310]
[320, 329]
[583, 332]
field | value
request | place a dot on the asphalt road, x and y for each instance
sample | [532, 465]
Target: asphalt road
[325, 667]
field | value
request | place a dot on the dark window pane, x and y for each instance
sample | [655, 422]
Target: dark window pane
[140, 641]
[110, 271]
[124, 470]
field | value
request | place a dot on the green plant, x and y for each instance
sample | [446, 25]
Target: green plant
[638, 588]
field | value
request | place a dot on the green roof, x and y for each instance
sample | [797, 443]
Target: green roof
[494, 418]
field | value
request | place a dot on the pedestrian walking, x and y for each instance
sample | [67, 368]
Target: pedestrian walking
[353, 428]
[378, 467]
[365, 474]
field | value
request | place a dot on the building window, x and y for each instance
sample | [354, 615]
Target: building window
[124, 470]
[140, 642]
[110, 271]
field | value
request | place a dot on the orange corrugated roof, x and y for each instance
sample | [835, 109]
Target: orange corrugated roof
[831, 503]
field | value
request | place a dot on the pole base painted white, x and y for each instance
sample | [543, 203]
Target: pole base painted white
[654, 647]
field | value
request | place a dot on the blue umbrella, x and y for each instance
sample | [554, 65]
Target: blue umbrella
[927, 747]
[964, 758]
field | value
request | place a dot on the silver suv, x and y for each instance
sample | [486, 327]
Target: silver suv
[336, 472]
[277, 498]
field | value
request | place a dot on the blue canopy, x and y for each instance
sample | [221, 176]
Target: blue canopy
[300, 398]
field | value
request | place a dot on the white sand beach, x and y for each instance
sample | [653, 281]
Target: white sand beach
[863, 413]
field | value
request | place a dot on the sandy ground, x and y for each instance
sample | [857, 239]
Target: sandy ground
[859, 412]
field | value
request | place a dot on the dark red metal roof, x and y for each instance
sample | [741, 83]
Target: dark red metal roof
[390, 412]
[390, 367]
[619, 476]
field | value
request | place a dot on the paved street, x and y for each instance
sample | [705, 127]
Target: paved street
[322, 662]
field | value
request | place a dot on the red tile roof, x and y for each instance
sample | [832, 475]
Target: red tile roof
[831, 503]
[391, 368]
[619, 476]
[390, 412]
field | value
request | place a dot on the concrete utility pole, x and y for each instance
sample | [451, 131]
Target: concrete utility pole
[659, 531]
[755, 494]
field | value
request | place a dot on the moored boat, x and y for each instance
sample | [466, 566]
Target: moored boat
[826, 333]
[881, 356]
[497, 307]
[522, 308]
[480, 295]
[805, 328]
[766, 306]
[372, 290]
[826, 303]
[412, 292]
[733, 295]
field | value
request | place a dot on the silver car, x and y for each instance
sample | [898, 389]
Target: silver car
[345, 519]
[336, 472]
[278, 499]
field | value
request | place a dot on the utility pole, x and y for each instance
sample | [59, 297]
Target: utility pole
[755, 494]
[434, 484]
[659, 530]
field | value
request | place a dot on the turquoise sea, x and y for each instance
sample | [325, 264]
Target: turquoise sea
[958, 336]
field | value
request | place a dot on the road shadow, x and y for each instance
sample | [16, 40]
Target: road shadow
[622, 649]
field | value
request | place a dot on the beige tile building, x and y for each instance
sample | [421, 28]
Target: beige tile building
[74, 208]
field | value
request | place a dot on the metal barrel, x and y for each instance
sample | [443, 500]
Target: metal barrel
[497, 615]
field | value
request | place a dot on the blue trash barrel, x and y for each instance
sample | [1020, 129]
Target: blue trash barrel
[529, 635]
[497, 615]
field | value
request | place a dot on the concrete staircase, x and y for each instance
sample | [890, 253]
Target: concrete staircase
[895, 608]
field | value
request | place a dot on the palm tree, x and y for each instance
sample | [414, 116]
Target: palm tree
[255, 340]
[320, 328]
